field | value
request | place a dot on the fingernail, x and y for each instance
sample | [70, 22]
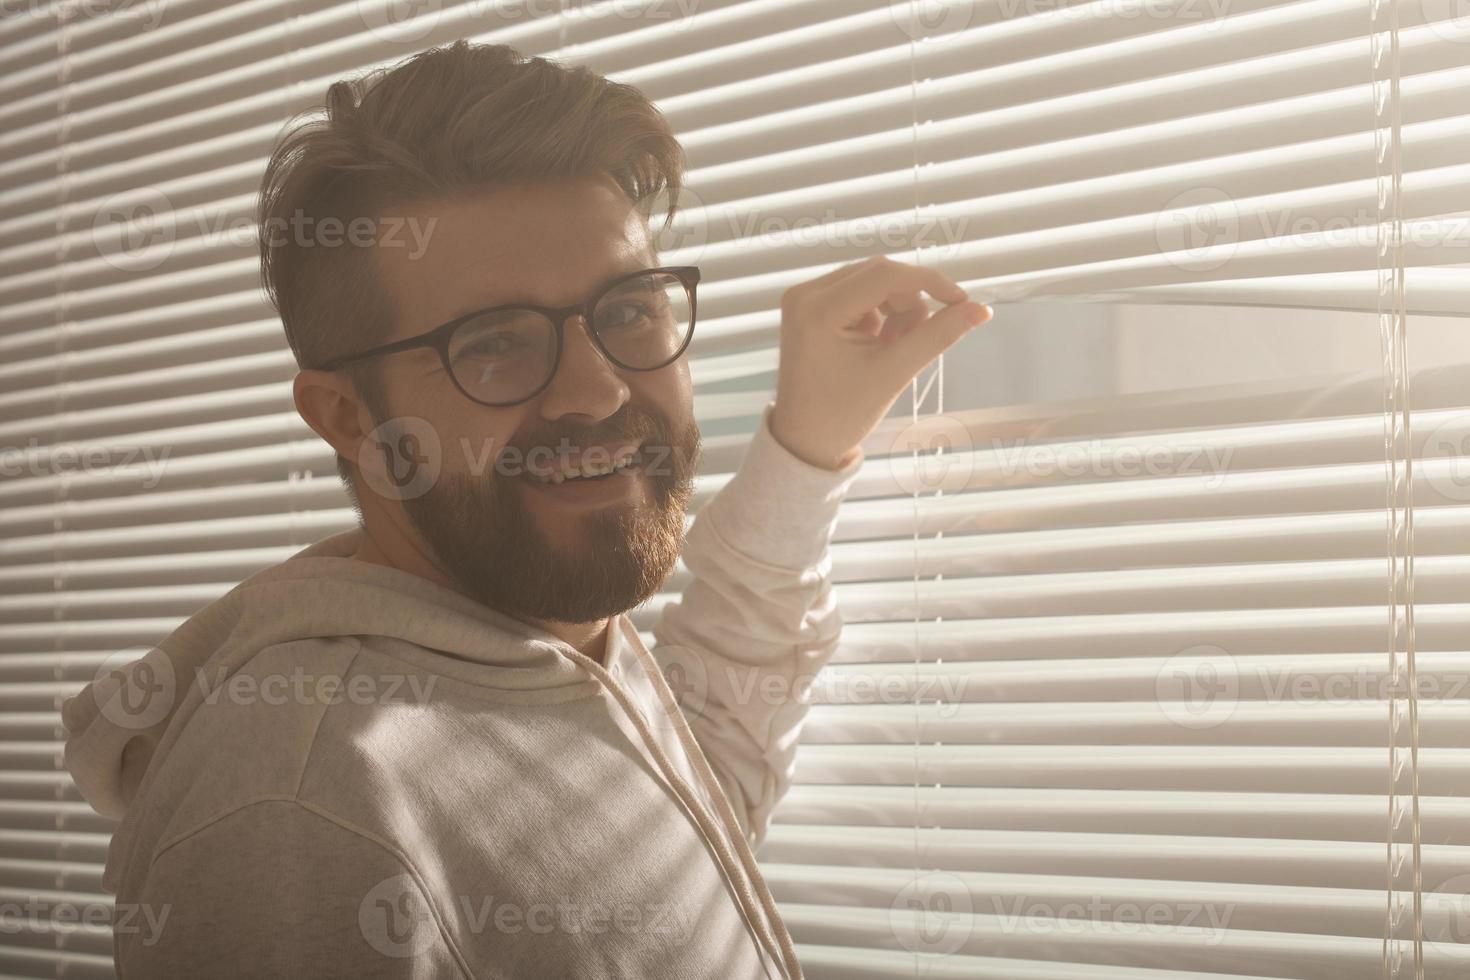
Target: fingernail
[974, 312]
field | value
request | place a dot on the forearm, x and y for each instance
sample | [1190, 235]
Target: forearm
[760, 616]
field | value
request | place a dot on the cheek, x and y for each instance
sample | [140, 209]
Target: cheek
[471, 442]
[671, 390]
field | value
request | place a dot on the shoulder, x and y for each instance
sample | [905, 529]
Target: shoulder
[258, 730]
[282, 888]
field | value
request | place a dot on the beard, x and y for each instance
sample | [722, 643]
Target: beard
[488, 542]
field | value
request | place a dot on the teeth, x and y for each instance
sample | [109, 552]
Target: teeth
[561, 476]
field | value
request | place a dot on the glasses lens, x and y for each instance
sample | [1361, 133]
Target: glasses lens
[644, 321]
[500, 357]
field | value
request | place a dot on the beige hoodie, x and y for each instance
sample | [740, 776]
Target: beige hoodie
[340, 769]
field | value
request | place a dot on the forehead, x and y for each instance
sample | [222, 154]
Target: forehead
[549, 243]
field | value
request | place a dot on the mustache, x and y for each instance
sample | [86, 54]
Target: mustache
[668, 454]
[625, 425]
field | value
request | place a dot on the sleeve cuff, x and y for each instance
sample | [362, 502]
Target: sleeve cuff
[779, 509]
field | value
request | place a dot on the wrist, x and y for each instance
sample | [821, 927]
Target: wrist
[820, 457]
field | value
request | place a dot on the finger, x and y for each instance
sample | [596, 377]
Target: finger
[860, 269]
[831, 275]
[869, 325]
[824, 281]
[948, 290]
[881, 281]
[901, 313]
[911, 352]
[903, 303]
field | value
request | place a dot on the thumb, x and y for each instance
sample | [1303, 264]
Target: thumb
[926, 341]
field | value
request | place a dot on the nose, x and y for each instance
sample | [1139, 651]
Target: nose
[586, 382]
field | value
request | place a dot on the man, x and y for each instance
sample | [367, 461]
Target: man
[434, 745]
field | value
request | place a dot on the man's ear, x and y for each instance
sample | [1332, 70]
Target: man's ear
[394, 458]
[327, 401]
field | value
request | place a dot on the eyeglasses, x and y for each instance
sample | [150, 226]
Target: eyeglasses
[505, 355]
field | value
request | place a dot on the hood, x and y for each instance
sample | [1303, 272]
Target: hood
[131, 714]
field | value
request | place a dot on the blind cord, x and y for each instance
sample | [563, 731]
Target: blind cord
[1403, 693]
[914, 460]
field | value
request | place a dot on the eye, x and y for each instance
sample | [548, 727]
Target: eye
[493, 345]
[501, 335]
[621, 314]
[626, 313]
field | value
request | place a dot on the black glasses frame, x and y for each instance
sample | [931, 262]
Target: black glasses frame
[440, 336]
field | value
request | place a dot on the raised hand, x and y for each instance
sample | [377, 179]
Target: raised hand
[851, 341]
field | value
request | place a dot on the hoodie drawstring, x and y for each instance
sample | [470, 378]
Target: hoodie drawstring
[787, 954]
[742, 846]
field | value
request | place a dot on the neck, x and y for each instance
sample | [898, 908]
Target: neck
[588, 639]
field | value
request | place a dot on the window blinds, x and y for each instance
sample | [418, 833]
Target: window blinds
[1027, 627]
[1151, 710]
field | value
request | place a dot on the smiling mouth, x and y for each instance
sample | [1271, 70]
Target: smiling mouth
[591, 473]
